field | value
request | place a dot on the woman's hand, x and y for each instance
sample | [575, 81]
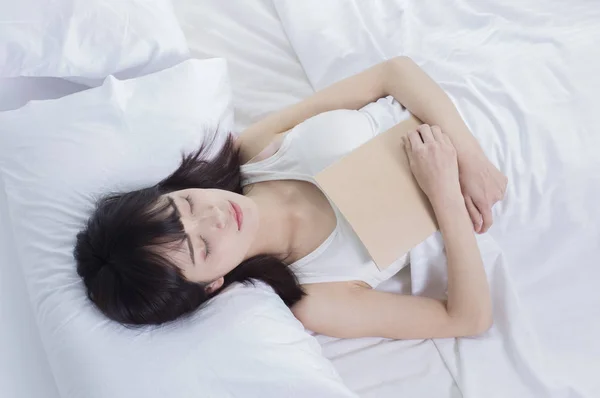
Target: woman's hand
[434, 163]
[482, 185]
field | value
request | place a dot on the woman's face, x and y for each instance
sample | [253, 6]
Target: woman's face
[220, 227]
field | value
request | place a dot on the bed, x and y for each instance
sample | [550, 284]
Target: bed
[272, 65]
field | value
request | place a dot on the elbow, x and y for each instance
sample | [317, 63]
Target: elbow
[479, 325]
[401, 61]
[473, 325]
[398, 67]
[473, 320]
[483, 325]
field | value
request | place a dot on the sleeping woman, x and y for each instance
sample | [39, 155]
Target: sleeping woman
[254, 212]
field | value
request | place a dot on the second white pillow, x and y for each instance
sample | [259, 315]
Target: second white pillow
[87, 40]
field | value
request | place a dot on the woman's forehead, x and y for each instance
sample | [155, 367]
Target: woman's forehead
[176, 252]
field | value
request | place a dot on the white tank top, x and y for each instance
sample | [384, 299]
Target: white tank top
[306, 150]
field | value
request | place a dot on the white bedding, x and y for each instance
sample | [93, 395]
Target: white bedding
[264, 70]
[86, 40]
[17, 91]
[266, 76]
[554, 265]
[524, 76]
[24, 368]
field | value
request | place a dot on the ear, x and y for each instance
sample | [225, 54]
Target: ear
[214, 285]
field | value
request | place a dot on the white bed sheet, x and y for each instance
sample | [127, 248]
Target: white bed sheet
[525, 77]
[265, 72]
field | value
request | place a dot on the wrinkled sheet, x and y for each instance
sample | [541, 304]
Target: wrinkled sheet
[265, 73]
[506, 361]
[525, 77]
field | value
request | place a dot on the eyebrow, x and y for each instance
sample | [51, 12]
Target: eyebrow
[187, 237]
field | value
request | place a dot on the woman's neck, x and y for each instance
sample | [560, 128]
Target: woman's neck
[277, 221]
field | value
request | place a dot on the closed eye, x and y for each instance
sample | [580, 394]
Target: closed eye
[191, 203]
[187, 237]
[206, 247]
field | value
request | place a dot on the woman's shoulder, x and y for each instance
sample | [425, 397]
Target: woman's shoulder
[269, 150]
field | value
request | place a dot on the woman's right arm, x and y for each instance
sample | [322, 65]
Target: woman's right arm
[433, 161]
[350, 310]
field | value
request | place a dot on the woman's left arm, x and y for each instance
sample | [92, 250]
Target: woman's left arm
[353, 92]
[399, 77]
[482, 183]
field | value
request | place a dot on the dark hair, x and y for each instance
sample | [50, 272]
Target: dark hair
[130, 281]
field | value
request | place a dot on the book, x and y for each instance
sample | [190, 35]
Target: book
[374, 188]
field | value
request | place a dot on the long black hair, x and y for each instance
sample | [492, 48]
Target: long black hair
[130, 281]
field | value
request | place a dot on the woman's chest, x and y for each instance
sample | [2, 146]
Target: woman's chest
[290, 162]
[314, 144]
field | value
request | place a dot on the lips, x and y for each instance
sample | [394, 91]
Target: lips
[238, 214]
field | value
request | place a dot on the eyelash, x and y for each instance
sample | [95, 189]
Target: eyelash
[206, 246]
[189, 200]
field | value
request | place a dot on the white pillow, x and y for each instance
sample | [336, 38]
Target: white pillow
[17, 91]
[56, 156]
[87, 40]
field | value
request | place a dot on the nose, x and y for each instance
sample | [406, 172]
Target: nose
[220, 218]
[217, 217]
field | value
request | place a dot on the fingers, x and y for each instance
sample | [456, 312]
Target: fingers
[406, 144]
[448, 140]
[426, 133]
[474, 214]
[437, 133]
[488, 219]
[415, 140]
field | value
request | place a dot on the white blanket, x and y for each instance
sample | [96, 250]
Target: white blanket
[525, 77]
[507, 361]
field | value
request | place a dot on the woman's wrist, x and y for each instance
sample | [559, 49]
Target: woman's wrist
[467, 148]
[447, 200]
[452, 217]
